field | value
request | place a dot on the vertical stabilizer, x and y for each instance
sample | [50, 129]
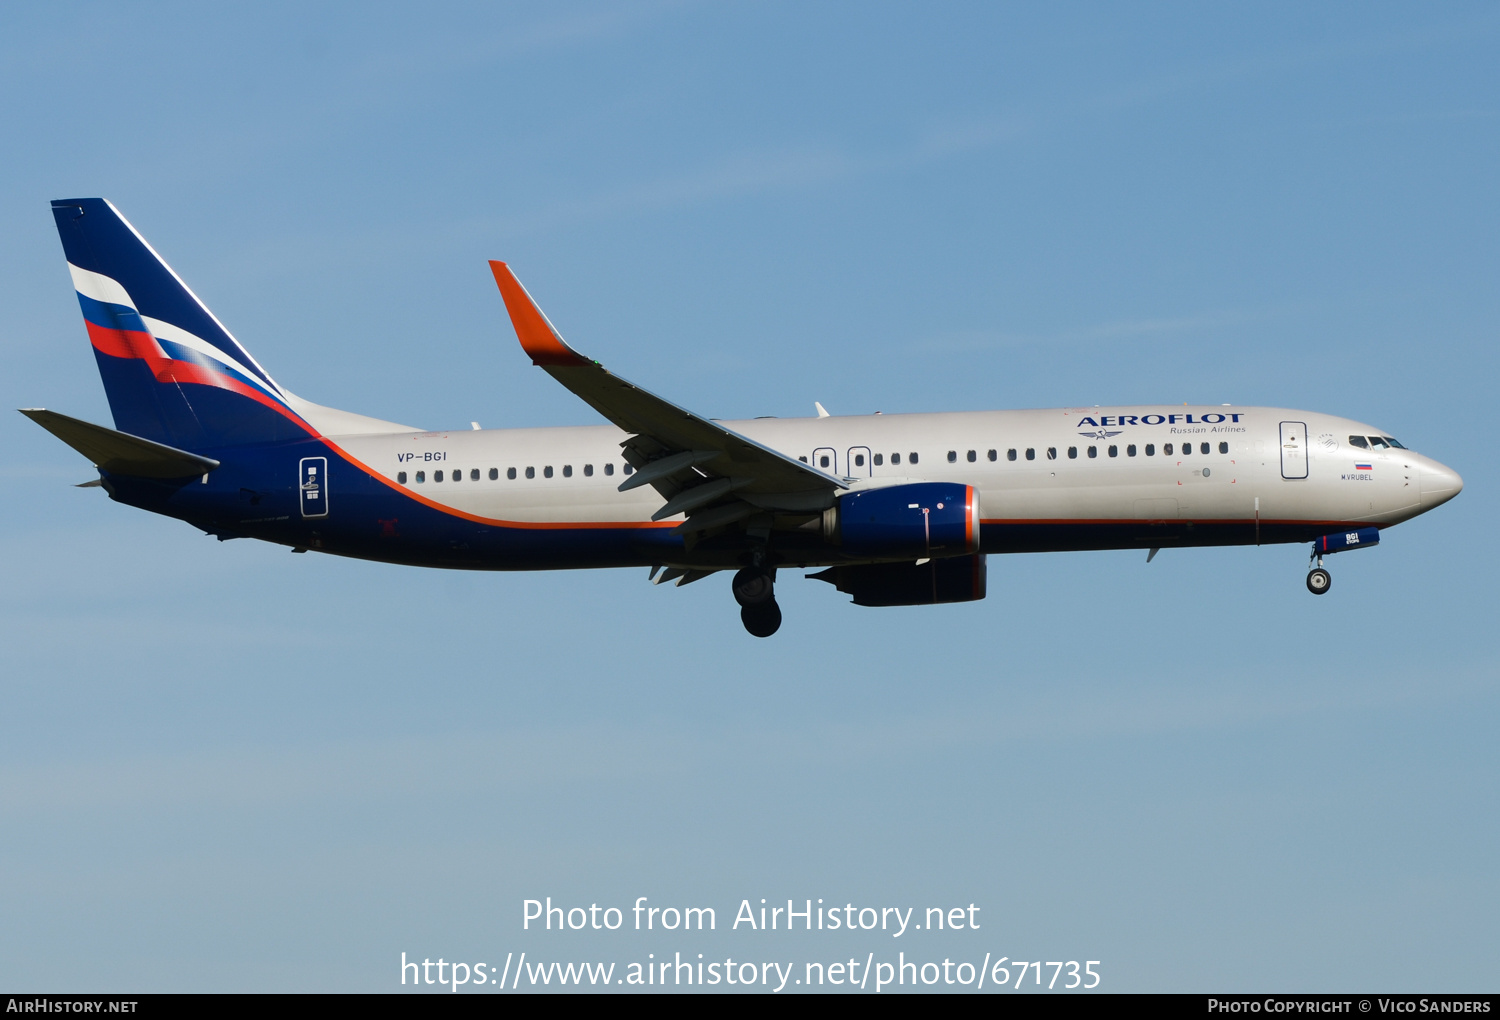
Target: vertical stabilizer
[172, 372]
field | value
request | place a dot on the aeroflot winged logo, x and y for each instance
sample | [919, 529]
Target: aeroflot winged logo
[1101, 434]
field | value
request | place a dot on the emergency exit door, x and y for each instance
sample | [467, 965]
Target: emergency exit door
[314, 486]
[1293, 449]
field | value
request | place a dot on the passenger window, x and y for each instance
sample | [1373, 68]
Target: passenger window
[879, 459]
[1030, 453]
[1223, 447]
[588, 471]
[994, 455]
[567, 470]
[895, 458]
[474, 475]
[822, 462]
[421, 477]
[1379, 444]
[1051, 453]
[952, 456]
[531, 472]
[1202, 447]
[802, 459]
[437, 476]
[973, 456]
[547, 471]
[609, 469]
[510, 473]
[859, 460]
[1151, 450]
[1359, 441]
[1010, 454]
[1114, 451]
[494, 474]
[1072, 453]
[401, 477]
[912, 459]
[1093, 451]
[1130, 450]
[629, 468]
[1187, 448]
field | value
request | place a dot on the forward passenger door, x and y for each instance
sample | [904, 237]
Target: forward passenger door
[1293, 449]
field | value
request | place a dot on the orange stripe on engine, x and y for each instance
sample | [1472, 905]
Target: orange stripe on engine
[1169, 520]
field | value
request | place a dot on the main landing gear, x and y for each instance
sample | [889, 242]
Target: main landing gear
[754, 589]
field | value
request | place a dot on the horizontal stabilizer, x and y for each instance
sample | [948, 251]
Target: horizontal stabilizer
[120, 453]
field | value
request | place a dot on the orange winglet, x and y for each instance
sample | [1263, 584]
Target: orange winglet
[538, 339]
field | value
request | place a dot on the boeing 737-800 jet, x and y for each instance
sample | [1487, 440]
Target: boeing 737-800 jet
[898, 509]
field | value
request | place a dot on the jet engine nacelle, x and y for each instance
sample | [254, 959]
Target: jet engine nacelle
[957, 579]
[917, 520]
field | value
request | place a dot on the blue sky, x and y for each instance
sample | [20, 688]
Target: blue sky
[230, 768]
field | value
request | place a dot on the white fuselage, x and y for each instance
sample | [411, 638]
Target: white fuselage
[1069, 465]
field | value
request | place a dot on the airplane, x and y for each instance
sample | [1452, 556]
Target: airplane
[894, 509]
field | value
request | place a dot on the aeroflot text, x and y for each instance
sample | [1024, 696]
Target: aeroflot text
[1105, 421]
[764, 917]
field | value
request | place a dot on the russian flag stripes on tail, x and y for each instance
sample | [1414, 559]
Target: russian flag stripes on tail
[172, 372]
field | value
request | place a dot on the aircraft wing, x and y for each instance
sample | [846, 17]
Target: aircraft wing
[703, 469]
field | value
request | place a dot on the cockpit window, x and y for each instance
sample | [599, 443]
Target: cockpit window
[1397, 445]
[1359, 441]
[1376, 443]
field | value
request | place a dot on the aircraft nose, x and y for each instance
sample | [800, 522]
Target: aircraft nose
[1440, 483]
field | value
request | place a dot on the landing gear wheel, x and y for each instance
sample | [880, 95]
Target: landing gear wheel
[762, 620]
[1319, 581]
[754, 587]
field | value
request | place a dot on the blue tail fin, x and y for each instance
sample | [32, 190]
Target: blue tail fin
[172, 372]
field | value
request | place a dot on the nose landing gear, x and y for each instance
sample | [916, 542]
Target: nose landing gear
[754, 589]
[1318, 579]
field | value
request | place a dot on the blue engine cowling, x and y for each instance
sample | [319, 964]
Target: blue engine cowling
[921, 519]
[957, 579]
[1344, 540]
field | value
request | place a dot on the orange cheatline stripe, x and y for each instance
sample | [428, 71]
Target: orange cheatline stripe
[537, 337]
[493, 521]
